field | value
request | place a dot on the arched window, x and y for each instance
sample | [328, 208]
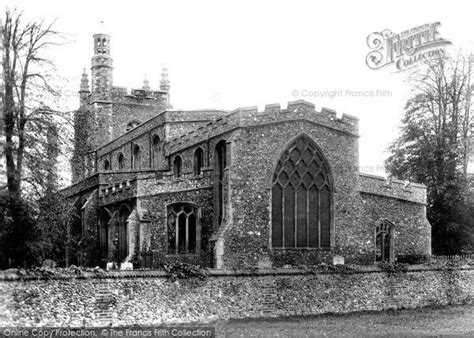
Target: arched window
[198, 161]
[301, 197]
[106, 165]
[183, 229]
[120, 161]
[219, 167]
[177, 166]
[384, 242]
[136, 157]
[157, 152]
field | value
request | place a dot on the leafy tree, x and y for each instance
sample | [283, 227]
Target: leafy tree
[434, 146]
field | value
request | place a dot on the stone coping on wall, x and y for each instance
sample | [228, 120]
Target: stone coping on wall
[12, 276]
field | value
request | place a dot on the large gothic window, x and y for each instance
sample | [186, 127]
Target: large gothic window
[183, 228]
[301, 197]
[384, 242]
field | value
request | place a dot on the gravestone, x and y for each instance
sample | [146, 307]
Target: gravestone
[264, 264]
[126, 266]
[111, 266]
[337, 260]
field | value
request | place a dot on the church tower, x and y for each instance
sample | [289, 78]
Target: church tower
[106, 111]
[101, 69]
[101, 92]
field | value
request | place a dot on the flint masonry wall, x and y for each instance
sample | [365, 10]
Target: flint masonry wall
[144, 298]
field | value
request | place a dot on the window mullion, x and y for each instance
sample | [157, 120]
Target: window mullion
[383, 247]
[307, 218]
[187, 233]
[176, 240]
[296, 217]
[283, 217]
[319, 218]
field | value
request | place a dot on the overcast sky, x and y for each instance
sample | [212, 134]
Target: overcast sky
[230, 54]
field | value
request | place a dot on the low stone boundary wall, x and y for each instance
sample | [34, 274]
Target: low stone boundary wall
[150, 298]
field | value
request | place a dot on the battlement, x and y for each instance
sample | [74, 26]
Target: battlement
[206, 124]
[117, 191]
[116, 187]
[393, 188]
[139, 96]
[273, 113]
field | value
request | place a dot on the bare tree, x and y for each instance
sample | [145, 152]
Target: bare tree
[27, 78]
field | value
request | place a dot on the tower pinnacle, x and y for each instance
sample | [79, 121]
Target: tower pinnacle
[164, 83]
[84, 82]
[84, 90]
[146, 84]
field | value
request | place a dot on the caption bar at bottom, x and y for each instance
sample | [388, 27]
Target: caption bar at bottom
[157, 331]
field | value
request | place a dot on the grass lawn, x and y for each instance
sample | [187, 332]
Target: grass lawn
[450, 320]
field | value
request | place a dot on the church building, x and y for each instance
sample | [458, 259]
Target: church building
[228, 189]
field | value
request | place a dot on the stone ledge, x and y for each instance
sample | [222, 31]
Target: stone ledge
[224, 273]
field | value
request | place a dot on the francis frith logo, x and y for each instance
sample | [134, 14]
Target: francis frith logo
[405, 49]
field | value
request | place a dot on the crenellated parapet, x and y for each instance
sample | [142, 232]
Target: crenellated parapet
[149, 97]
[273, 113]
[392, 188]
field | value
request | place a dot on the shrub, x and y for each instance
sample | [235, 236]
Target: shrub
[393, 267]
[413, 259]
[178, 270]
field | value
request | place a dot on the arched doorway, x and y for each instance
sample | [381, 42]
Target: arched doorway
[220, 165]
[384, 250]
[104, 234]
[123, 233]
